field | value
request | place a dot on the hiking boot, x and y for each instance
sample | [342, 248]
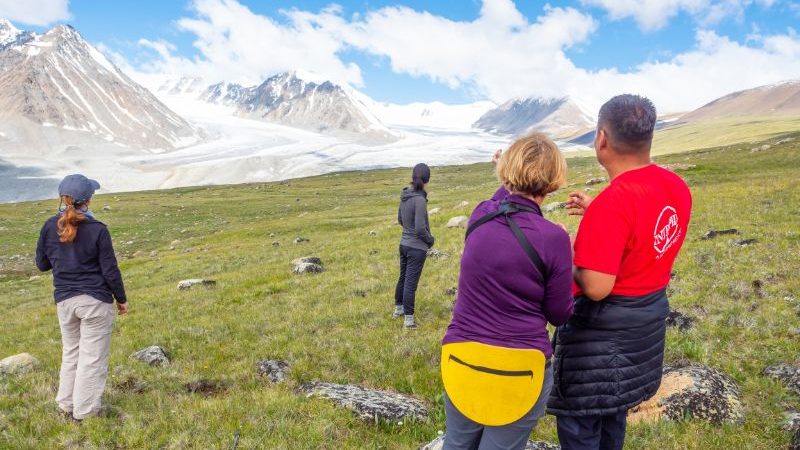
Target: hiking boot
[398, 311]
[409, 323]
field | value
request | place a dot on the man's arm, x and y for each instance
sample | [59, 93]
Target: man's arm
[595, 285]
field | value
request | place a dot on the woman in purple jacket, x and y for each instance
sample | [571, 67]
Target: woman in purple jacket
[504, 299]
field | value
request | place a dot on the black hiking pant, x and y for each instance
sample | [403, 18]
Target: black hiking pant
[592, 432]
[411, 262]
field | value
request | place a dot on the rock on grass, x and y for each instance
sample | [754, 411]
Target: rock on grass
[308, 264]
[190, 283]
[553, 206]
[19, 364]
[457, 222]
[711, 234]
[438, 444]
[787, 374]
[153, 355]
[593, 181]
[368, 404]
[679, 320]
[274, 370]
[693, 391]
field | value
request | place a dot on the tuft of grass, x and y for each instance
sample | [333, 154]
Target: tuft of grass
[336, 326]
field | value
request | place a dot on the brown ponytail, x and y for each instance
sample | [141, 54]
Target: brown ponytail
[69, 220]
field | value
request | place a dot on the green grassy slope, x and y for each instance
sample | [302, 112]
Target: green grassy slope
[335, 326]
[720, 132]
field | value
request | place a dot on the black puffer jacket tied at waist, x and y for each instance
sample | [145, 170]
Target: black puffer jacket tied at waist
[609, 356]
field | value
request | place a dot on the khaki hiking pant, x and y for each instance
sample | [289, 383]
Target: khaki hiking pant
[86, 325]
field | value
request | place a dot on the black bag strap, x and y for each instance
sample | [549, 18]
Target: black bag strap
[507, 209]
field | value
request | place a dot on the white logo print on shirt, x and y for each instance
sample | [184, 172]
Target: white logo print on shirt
[667, 231]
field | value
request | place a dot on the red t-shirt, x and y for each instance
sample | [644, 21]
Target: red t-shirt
[634, 230]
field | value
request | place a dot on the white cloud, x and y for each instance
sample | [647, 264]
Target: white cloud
[238, 45]
[499, 55]
[652, 15]
[35, 12]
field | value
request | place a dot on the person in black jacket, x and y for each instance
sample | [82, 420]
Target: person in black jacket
[414, 244]
[78, 249]
[609, 356]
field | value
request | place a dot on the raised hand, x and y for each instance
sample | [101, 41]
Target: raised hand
[577, 203]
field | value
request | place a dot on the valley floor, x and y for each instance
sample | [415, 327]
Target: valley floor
[336, 326]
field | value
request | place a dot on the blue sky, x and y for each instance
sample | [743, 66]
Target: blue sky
[610, 46]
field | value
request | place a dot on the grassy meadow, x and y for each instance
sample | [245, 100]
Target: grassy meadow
[336, 326]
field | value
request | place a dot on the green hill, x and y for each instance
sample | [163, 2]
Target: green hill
[336, 326]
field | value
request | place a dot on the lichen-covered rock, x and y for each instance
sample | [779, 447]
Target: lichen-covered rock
[598, 180]
[274, 370]
[553, 206]
[308, 264]
[436, 254]
[153, 355]
[438, 444]
[300, 240]
[692, 391]
[188, 284]
[457, 222]
[435, 211]
[679, 320]
[462, 205]
[711, 234]
[19, 364]
[369, 404]
[744, 242]
[787, 374]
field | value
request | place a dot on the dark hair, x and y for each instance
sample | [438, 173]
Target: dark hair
[420, 176]
[629, 120]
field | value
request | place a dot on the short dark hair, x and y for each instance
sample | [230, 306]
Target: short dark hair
[630, 121]
[420, 176]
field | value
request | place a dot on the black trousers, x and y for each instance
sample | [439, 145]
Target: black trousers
[411, 262]
[592, 432]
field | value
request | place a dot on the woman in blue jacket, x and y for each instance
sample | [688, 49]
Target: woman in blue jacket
[77, 248]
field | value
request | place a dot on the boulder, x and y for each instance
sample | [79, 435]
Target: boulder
[274, 370]
[436, 254]
[711, 234]
[153, 355]
[106, 208]
[457, 222]
[438, 444]
[188, 284]
[435, 211]
[308, 264]
[744, 242]
[373, 232]
[692, 391]
[787, 374]
[597, 180]
[553, 206]
[679, 320]
[368, 404]
[462, 205]
[18, 364]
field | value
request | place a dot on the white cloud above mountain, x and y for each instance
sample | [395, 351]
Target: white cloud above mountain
[498, 55]
[652, 15]
[35, 12]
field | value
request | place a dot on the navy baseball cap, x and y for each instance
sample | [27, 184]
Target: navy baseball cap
[78, 187]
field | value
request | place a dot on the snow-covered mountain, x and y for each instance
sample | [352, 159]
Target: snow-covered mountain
[58, 80]
[183, 85]
[561, 118]
[432, 115]
[293, 100]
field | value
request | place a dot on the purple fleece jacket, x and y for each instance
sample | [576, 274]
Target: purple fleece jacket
[501, 296]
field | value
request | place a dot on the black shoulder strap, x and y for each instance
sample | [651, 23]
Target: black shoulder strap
[507, 209]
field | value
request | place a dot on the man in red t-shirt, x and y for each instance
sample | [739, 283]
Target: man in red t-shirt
[609, 356]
